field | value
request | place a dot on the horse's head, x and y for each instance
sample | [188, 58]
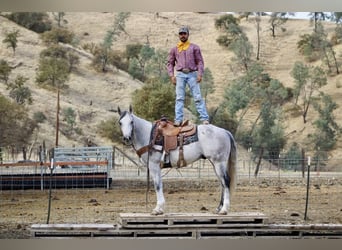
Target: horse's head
[126, 125]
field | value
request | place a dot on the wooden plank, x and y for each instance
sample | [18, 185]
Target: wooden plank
[310, 231]
[100, 227]
[335, 227]
[171, 220]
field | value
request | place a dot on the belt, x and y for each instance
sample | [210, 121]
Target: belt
[186, 71]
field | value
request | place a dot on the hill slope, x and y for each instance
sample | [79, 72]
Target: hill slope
[107, 91]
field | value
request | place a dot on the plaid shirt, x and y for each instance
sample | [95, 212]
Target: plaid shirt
[189, 59]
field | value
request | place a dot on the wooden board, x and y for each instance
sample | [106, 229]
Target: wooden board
[181, 220]
[189, 225]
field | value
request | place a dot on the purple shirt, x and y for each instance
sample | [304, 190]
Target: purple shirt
[187, 59]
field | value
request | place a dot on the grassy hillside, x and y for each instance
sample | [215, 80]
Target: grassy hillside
[107, 91]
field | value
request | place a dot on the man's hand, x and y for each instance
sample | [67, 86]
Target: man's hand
[173, 80]
[199, 78]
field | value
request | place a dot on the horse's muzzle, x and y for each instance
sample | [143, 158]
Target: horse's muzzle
[127, 141]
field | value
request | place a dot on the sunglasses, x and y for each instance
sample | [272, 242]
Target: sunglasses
[182, 33]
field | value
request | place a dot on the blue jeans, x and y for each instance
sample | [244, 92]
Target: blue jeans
[189, 79]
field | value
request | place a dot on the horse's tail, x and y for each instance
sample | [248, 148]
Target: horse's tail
[232, 168]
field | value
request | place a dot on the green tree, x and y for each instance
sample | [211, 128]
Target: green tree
[35, 21]
[316, 17]
[133, 50]
[336, 17]
[143, 59]
[269, 137]
[20, 93]
[293, 157]
[15, 124]
[135, 70]
[308, 81]
[300, 73]
[53, 69]
[70, 118]
[103, 54]
[309, 45]
[327, 129]
[156, 67]
[59, 17]
[326, 50]
[110, 129]
[154, 100]
[277, 20]
[58, 35]
[234, 39]
[207, 84]
[221, 118]
[11, 40]
[58, 52]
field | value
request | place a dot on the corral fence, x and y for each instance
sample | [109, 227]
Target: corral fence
[81, 169]
[100, 166]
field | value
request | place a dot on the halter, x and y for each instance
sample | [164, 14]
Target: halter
[132, 132]
[140, 151]
[143, 149]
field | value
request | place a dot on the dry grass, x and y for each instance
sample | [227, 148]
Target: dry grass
[107, 91]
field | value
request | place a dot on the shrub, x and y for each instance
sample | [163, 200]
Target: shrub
[35, 21]
[57, 35]
[39, 117]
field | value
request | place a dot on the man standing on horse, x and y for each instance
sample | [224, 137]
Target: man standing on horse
[186, 58]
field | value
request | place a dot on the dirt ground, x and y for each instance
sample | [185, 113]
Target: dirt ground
[281, 201]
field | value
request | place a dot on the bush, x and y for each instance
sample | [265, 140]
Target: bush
[15, 125]
[57, 35]
[35, 21]
[110, 129]
[39, 117]
[5, 71]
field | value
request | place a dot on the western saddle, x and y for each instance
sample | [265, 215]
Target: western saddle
[170, 137]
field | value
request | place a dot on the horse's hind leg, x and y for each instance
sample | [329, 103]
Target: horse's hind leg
[225, 200]
[218, 209]
[224, 179]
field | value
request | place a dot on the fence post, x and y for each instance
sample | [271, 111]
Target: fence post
[303, 163]
[41, 168]
[1, 161]
[307, 190]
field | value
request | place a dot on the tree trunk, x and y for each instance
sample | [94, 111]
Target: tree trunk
[335, 61]
[303, 163]
[258, 37]
[259, 162]
[57, 119]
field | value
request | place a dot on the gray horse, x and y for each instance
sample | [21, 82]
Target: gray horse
[214, 143]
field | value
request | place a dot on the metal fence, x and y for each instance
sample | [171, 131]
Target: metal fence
[122, 163]
[124, 166]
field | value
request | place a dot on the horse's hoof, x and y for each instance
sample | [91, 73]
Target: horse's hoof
[156, 212]
[222, 213]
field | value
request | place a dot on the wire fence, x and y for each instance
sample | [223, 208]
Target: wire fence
[194, 184]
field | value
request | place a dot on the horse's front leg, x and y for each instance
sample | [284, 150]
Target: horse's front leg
[158, 187]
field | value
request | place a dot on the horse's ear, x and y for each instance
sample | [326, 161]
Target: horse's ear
[119, 111]
[130, 109]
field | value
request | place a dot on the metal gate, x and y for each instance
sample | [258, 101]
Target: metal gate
[84, 159]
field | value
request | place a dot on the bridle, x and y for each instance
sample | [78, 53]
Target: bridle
[128, 141]
[144, 149]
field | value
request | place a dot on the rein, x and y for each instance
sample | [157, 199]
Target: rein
[142, 151]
